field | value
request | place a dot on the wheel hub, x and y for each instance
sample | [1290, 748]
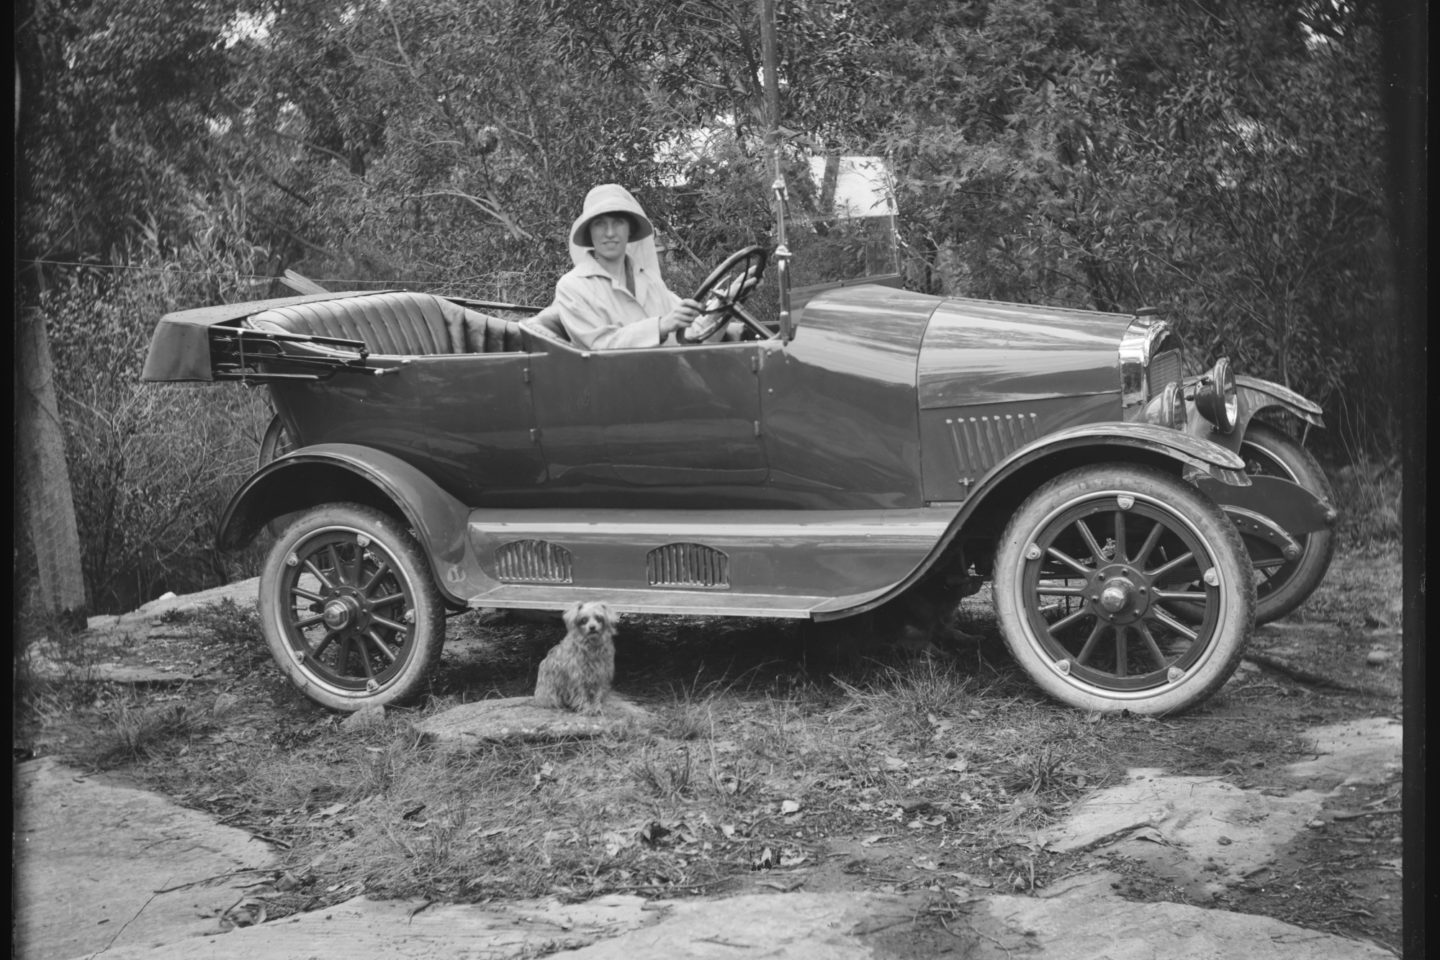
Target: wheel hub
[1120, 593]
[1116, 596]
[342, 612]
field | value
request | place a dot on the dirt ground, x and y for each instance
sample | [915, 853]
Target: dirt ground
[778, 764]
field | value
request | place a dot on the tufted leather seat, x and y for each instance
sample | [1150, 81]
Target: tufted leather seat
[547, 324]
[397, 324]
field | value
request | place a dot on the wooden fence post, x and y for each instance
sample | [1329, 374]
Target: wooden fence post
[47, 508]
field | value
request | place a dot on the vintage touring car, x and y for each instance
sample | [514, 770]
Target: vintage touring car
[431, 455]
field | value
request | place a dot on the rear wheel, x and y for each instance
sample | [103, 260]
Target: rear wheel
[1118, 587]
[1283, 585]
[348, 607]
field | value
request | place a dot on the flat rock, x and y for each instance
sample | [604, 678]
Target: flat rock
[520, 719]
[1357, 751]
[365, 929]
[245, 593]
[1213, 821]
[794, 926]
[90, 670]
[97, 863]
[1084, 924]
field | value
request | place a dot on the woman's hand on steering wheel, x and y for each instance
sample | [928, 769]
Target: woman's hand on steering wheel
[679, 318]
[720, 295]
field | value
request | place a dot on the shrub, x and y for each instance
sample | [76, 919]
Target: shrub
[151, 466]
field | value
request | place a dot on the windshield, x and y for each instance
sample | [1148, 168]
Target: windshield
[850, 235]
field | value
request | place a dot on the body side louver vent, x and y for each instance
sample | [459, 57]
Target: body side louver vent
[688, 565]
[533, 561]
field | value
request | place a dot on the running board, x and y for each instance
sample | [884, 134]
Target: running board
[696, 562]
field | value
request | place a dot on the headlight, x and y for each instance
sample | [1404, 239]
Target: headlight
[1215, 396]
[1168, 408]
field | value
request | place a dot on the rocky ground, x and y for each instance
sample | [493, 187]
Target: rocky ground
[1266, 824]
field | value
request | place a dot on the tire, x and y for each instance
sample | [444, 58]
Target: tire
[348, 607]
[1144, 629]
[1282, 586]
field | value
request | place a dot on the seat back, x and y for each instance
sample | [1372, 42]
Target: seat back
[547, 324]
[400, 323]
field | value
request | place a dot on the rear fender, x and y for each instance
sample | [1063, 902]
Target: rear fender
[1001, 490]
[346, 472]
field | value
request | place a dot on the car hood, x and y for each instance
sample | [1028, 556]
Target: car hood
[984, 352]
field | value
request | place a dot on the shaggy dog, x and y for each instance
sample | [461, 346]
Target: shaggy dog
[576, 673]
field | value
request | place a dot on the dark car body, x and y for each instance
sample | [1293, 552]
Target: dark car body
[879, 448]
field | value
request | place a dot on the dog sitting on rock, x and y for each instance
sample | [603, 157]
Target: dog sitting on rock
[577, 672]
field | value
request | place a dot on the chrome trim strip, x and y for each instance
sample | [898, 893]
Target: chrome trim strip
[1142, 340]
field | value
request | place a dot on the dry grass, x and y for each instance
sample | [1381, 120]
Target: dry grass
[737, 776]
[754, 765]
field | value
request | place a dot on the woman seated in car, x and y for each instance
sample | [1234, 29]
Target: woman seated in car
[614, 297]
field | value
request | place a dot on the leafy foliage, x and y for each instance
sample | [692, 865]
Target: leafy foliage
[1220, 158]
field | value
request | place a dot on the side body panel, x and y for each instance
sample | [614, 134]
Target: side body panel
[779, 563]
[382, 412]
[840, 424]
[650, 427]
[994, 377]
[478, 421]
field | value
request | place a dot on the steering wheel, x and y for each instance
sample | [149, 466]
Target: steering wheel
[721, 294]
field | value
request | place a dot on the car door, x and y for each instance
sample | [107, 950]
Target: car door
[668, 419]
[478, 424]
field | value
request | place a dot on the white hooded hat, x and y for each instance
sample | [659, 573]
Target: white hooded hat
[609, 198]
[613, 198]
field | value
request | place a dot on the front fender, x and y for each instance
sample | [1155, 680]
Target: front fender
[1012, 479]
[1257, 394]
[1197, 452]
[1288, 505]
[1001, 490]
[347, 472]
[1253, 395]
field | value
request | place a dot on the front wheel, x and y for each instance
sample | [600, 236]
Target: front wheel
[348, 607]
[1118, 587]
[1283, 585]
